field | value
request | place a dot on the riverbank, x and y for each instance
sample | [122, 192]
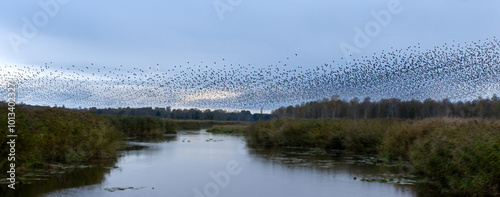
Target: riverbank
[51, 136]
[204, 124]
[456, 155]
[47, 136]
[229, 129]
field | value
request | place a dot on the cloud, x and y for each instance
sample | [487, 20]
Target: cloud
[239, 50]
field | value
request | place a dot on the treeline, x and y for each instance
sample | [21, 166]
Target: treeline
[392, 108]
[175, 114]
[185, 114]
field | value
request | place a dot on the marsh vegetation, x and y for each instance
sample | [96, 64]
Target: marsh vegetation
[50, 136]
[228, 129]
[455, 155]
[56, 135]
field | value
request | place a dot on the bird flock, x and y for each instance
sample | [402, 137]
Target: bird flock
[458, 71]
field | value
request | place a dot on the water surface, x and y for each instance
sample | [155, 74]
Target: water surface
[196, 163]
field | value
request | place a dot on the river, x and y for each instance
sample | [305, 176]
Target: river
[201, 164]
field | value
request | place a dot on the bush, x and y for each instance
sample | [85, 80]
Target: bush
[462, 157]
[57, 135]
[458, 155]
[202, 124]
[142, 126]
[228, 129]
[362, 136]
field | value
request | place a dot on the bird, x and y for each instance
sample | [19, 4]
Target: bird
[451, 70]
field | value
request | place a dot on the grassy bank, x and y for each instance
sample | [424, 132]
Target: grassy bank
[56, 135]
[457, 155]
[142, 126]
[48, 136]
[152, 126]
[202, 124]
[228, 129]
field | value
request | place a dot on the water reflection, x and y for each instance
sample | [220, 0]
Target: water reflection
[340, 164]
[165, 138]
[39, 182]
[196, 163]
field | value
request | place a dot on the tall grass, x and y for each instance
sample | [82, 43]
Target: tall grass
[361, 136]
[51, 135]
[142, 126]
[458, 155]
[462, 156]
[202, 124]
[58, 135]
[228, 129]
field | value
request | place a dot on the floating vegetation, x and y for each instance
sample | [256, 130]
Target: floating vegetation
[113, 189]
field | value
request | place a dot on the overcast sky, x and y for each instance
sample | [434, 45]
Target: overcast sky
[136, 33]
[257, 32]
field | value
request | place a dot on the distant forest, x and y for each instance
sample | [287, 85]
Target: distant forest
[330, 108]
[178, 114]
[185, 114]
[392, 108]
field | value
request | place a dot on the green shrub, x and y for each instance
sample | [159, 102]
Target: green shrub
[352, 135]
[462, 157]
[202, 124]
[228, 129]
[58, 135]
[142, 126]
[457, 155]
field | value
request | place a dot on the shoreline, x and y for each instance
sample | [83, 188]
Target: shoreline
[455, 155]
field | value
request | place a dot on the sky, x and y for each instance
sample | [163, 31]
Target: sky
[165, 34]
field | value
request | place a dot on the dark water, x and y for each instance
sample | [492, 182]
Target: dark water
[202, 164]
